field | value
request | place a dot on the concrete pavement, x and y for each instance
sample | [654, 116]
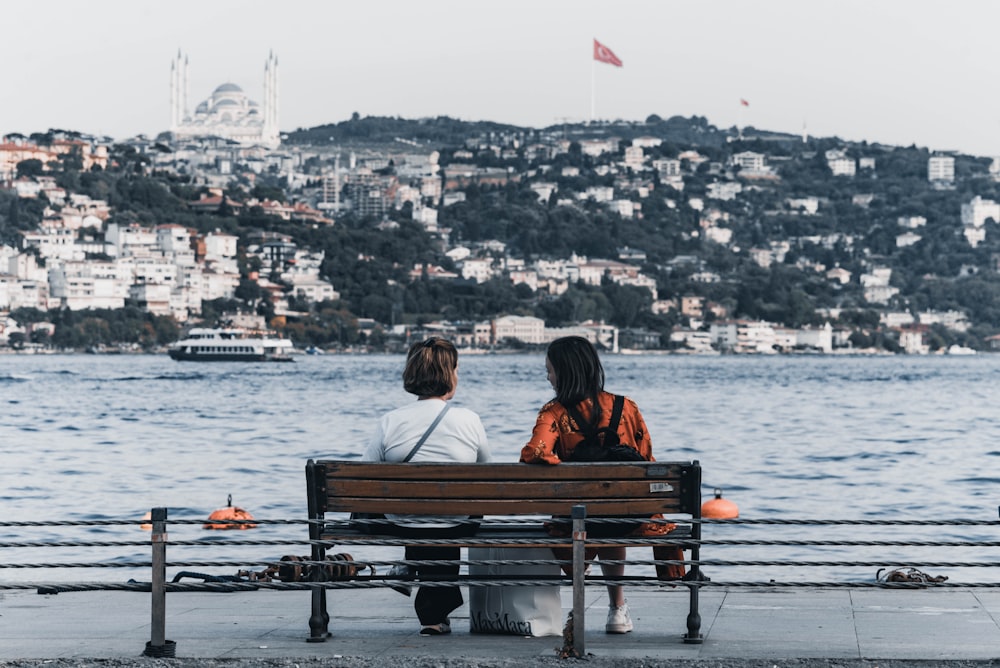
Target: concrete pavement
[772, 624]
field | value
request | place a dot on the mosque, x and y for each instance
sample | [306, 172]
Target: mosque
[228, 112]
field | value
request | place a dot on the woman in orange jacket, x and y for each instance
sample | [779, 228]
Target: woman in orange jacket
[577, 376]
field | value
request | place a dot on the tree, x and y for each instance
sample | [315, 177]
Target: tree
[30, 168]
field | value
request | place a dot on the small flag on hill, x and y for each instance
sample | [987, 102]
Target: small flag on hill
[605, 55]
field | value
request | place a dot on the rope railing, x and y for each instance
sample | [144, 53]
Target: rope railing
[520, 521]
[726, 535]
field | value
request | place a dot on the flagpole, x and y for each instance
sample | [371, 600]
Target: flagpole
[593, 80]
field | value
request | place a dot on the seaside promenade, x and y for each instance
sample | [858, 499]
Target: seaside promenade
[742, 627]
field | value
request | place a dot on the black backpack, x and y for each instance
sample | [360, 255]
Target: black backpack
[602, 445]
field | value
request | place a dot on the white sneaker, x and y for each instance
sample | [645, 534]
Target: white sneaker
[619, 620]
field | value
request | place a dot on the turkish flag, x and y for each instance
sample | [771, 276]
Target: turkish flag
[605, 55]
[744, 102]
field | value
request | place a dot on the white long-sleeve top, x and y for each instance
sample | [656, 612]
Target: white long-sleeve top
[459, 437]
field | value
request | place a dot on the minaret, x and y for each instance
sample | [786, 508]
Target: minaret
[270, 132]
[178, 91]
[174, 90]
[184, 110]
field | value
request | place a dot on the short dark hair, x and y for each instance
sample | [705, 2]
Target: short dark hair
[579, 374]
[430, 368]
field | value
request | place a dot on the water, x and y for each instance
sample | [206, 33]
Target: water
[89, 437]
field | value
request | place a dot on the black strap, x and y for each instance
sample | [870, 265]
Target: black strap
[588, 430]
[428, 432]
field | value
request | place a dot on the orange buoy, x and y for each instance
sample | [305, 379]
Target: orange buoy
[230, 512]
[146, 526]
[719, 508]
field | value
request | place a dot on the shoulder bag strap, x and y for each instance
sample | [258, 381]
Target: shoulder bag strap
[428, 432]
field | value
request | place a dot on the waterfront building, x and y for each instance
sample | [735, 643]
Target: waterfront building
[526, 329]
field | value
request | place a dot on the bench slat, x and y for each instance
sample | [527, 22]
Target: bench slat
[499, 471]
[472, 506]
[503, 490]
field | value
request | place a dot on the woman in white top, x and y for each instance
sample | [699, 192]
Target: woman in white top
[431, 373]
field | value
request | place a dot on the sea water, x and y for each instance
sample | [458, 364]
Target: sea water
[91, 437]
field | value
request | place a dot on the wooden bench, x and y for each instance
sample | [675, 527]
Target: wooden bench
[502, 492]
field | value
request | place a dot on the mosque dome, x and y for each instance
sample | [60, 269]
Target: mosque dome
[228, 88]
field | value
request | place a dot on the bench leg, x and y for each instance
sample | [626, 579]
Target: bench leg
[693, 635]
[319, 620]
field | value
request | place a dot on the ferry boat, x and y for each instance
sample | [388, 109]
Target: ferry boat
[204, 344]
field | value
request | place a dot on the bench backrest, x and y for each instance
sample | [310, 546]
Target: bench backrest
[606, 488]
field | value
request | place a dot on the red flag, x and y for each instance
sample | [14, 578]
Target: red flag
[744, 102]
[605, 55]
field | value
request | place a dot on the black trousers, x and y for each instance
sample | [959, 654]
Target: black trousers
[434, 604]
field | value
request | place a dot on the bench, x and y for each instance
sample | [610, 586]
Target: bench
[514, 500]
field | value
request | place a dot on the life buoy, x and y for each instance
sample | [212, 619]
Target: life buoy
[719, 508]
[230, 512]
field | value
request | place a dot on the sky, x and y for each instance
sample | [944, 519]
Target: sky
[897, 72]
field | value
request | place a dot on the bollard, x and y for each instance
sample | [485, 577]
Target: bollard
[158, 646]
[579, 515]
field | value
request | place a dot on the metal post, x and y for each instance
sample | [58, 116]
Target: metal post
[158, 645]
[579, 516]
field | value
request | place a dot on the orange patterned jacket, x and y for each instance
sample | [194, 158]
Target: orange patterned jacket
[556, 435]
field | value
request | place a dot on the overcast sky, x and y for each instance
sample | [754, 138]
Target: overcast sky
[899, 72]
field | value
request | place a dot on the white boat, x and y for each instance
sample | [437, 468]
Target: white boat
[203, 344]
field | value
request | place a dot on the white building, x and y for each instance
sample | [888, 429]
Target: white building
[750, 161]
[816, 338]
[978, 210]
[82, 285]
[974, 235]
[669, 172]
[600, 193]
[724, 190]
[129, 239]
[479, 270]
[313, 289]
[842, 166]
[634, 157]
[941, 168]
[806, 205]
[911, 222]
[172, 238]
[720, 235]
[625, 208]
[743, 336]
[527, 329]
[596, 147]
